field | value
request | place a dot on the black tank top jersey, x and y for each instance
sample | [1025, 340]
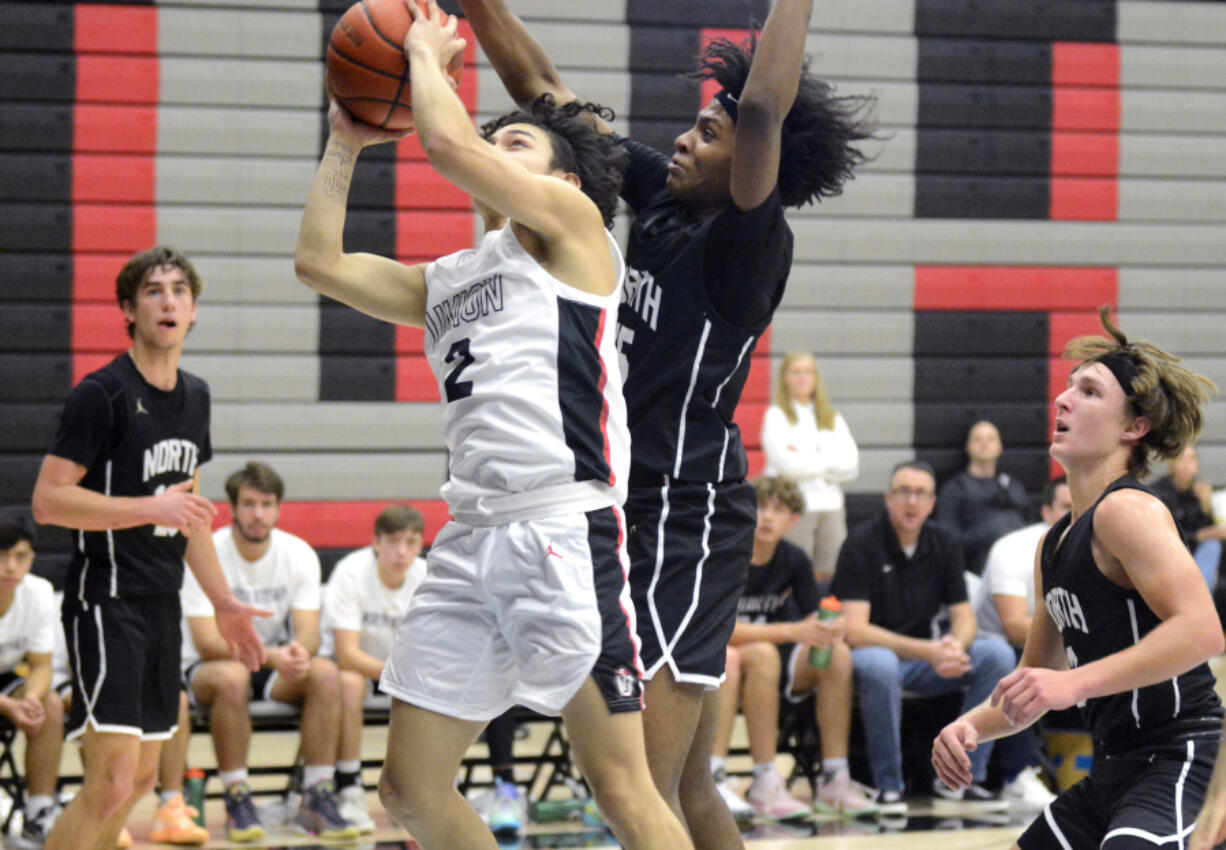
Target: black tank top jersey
[1097, 618]
[685, 360]
[134, 440]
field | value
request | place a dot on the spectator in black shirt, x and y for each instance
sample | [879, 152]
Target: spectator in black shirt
[981, 504]
[1189, 498]
[895, 576]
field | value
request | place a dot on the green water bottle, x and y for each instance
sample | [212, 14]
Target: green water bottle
[552, 811]
[193, 793]
[829, 609]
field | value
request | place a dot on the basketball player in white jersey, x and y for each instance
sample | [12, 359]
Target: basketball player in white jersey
[1123, 621]
[525, 599]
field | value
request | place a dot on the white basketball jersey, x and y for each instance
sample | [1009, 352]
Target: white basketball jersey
[528, 375]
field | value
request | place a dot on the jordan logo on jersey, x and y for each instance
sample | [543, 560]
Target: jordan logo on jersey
[551, 551]
[480, 299]
[140, 408]
[643, 296]
[1065, 610]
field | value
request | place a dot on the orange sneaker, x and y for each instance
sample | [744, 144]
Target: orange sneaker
[173, 824]
[125, 840]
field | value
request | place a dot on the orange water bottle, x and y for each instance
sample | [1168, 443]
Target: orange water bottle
[829, 609]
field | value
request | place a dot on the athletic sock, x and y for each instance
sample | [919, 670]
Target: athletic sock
[347, 773]
[718, 763]
[34, 805]
[831, 767]
[166, 796]
[760, 770]
[313, 773]
[229, 777]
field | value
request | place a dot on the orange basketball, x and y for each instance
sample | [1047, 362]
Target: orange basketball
[368, 72]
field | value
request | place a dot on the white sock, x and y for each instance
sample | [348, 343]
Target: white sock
[167, 796]
[229, 777]
[832, 766]
[313, 773]
[34, 805]
[760, 770]
[718, 763]
[346, 766]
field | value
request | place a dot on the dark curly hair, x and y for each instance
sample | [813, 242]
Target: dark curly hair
[817, 148]
[578, 147]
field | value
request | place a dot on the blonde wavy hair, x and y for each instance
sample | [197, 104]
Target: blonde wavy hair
[822, 411]
[1169, 396]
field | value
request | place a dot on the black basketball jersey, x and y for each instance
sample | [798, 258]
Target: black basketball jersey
[1096, 618]
[134, 440]
[684, 361]
[782, 590]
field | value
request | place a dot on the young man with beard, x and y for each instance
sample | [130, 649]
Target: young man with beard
[280, 572]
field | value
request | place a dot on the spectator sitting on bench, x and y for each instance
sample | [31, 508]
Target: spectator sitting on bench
[366, 598]
[896, 574]
[28, 619]
[1190, 499]
[768, 654]
[1004, 604]
[282, 571]
[981, 503]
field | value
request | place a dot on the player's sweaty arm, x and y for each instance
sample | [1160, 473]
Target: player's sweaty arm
[375, 285]
[770, 91]
[553, 208]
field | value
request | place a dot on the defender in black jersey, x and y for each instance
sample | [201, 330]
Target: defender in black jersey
[708, 257]
[1123, 621]
[122, 473]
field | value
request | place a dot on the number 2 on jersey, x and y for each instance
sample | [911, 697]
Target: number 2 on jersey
[457, 389]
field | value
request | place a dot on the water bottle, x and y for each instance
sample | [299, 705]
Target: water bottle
[552, 811]
[193, 792]
[829, 609]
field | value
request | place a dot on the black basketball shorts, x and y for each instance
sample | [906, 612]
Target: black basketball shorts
[1136, 801]
[689, 548]
[124, 655]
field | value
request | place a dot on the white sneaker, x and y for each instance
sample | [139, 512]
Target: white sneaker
[1027, 791]
[891, 804]
[353, 808]
[770, 798]
[843, 795]
[741, 810]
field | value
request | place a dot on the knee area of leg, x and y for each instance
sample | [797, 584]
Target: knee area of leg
[234, 686]
[323, 675]
[53, 706]
[760, 658]
[399, 798]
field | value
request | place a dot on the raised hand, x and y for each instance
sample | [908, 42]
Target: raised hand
[434, 32]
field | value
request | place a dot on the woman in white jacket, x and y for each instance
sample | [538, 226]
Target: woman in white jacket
[806, 440]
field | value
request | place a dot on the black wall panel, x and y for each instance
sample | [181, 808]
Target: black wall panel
[35, 277]
[993, 152]
[1050, 20]
[967, 333]
[943, 196]
[978, 380]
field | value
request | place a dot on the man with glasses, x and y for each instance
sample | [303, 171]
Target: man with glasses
[897, 574]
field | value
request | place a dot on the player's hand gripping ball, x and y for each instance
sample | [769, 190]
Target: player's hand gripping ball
[368, 72]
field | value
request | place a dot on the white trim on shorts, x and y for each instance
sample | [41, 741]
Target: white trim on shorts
[1181, 832]
[666, 647]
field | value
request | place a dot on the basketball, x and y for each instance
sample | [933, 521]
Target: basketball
[368, 72]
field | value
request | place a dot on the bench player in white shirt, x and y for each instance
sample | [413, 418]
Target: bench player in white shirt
[262, 562]
[525, 600]
[365, 600]
[29, 618]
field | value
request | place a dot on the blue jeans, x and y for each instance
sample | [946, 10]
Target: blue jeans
[1207, 555]
[881, 678]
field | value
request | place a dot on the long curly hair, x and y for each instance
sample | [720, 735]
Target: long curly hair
[1165, 393]
[818, 148]
[578, 147]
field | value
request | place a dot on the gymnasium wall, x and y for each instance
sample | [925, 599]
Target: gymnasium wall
[1038, 159]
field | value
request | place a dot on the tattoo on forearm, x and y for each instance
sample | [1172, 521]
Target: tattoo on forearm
[335, 185]
[336, 154]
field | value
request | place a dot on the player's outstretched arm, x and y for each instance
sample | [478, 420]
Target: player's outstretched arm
[525, 69]
[233, 618]
[375, 285]
[769, 92]
[553, 208]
